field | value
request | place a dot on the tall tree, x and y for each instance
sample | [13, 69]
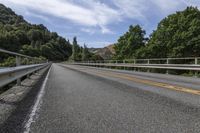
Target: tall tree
[177, 35]
[85, 53]
[130, 42]
[74, 49]
[35, 36]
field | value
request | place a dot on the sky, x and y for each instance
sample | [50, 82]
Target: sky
[97, 23]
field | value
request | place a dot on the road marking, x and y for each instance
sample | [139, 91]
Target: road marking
[149, 82]
[36, 105]
[144, 81]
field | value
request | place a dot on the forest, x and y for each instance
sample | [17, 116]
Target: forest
[17, 35]
[177, 35]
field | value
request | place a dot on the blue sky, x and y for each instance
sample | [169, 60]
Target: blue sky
[96, 23]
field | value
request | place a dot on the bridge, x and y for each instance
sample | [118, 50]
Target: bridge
[89, 97]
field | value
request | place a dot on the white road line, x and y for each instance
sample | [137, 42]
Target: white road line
[36, 105]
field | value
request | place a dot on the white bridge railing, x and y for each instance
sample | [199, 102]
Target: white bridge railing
[190, 63]
[10, 74]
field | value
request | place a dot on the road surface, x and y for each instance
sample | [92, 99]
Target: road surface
[78, 99]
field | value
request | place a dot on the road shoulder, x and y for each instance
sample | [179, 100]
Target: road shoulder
[16, 102]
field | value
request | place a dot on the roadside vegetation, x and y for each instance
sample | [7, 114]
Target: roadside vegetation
[177, 35]
[17, 35]
[82, 53]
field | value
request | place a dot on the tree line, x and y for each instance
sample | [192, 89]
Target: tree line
[82, 53]
[17, 35]
[177, 35]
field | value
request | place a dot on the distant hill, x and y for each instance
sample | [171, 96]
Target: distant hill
[18, 35]
[106, 52]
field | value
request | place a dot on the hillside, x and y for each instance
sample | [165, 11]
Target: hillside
[18, 35]
[106, 52]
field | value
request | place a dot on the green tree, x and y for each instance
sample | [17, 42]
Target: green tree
[34, 36]
[85, 53]
[130, 42]
[76, 50]
[177, 35]
[17, 35]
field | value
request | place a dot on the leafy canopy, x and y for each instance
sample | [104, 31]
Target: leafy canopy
[17, 35]
[176, 36]
[130, 42]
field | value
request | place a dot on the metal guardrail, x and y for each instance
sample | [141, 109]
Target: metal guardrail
[147, 61]
[156, 66]
[13, 53]
[192, 63]
[19, 56]
[10, 74]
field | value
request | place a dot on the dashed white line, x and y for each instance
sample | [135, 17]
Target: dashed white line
[36, 105]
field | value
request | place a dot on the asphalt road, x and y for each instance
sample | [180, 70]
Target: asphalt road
[87, 100]
[79, 99]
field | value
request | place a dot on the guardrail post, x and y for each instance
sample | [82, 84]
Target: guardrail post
[124, 62]
[196, 63]
[167, 63]
[148, 62]
[134, 62]
[18, 63]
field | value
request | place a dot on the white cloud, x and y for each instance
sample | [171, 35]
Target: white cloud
[87, 30]
[131, 8]
[59, 8]
[168, 6]
[106, 30]
[38, 16]
[139, 9]
[195, 3]
[94, 14]
[92, 31]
